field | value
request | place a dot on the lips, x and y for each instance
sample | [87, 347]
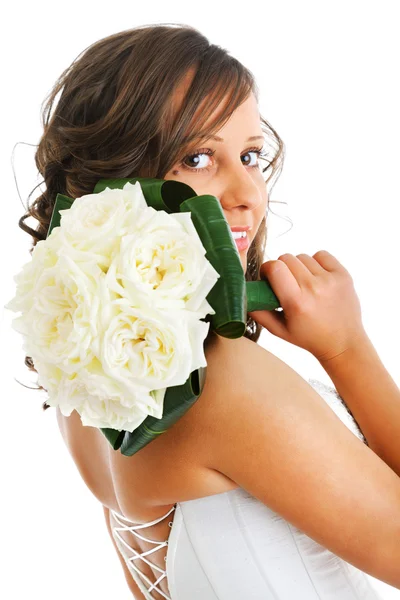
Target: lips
[241, 228]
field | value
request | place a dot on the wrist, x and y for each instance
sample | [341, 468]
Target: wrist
[359, 344]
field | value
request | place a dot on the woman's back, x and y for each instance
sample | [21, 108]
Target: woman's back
[222, 537]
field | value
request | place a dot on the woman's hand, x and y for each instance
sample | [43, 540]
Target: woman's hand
[320, 312]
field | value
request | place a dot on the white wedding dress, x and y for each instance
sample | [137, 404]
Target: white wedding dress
[230, 546]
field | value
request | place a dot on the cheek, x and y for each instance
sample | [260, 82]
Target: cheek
[261, 214]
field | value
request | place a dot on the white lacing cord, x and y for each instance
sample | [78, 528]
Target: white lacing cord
[123, 527]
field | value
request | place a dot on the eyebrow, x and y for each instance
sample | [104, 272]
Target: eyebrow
[253, 137]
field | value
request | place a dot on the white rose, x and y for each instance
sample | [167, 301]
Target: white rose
[98, 400]
[43, 257]
[93, 226]
[163, 263]
[59, 304]
[148, 346]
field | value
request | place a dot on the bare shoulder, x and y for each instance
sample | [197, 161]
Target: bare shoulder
[272, 434]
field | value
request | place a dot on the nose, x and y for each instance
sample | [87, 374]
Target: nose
[239, 191]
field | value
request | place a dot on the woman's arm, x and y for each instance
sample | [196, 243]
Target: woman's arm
[137, 594]
[372, 396]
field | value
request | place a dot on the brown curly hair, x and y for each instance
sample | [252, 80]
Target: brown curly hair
[114, 119]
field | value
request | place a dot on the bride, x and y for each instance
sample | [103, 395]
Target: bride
[269, 487]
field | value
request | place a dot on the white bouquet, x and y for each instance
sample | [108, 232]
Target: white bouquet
[111, 305]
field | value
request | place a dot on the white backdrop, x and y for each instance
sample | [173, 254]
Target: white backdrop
[328, 80]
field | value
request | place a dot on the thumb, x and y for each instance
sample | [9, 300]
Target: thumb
[272, 320]
[282, 282]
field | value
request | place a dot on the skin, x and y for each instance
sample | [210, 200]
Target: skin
[240, 188]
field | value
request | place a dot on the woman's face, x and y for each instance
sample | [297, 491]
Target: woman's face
[233, 173]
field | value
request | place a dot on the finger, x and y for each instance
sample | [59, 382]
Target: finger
[298, 268]
[328, 261]
[312, 265]
[272, 320]
[282, 281]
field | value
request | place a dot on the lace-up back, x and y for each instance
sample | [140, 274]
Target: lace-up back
[132, 556]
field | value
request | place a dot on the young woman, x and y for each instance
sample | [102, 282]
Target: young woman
[265, 488]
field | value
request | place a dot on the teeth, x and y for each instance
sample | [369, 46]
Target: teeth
[238, 234]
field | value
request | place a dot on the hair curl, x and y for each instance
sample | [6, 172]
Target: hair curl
[113, 119]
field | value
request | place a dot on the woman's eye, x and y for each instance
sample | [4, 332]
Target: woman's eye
[196, 161]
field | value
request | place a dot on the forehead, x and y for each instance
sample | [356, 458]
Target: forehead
[247, 112]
